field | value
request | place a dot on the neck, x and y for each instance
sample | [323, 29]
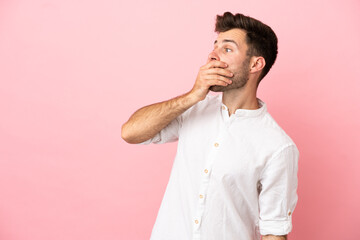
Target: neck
[241, 98]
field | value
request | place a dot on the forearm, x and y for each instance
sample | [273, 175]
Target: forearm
[146, 122]
[273, 237]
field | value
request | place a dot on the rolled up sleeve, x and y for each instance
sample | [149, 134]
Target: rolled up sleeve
[278, 195]
[170, 133]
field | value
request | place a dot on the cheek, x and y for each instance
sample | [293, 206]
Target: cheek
[235, 66]
[232, 61]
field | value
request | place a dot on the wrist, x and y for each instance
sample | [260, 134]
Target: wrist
[192, 98]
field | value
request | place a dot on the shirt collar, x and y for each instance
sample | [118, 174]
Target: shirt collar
[245, 112]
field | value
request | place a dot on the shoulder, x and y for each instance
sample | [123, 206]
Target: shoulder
[273, 135]
[208, 104]
[209, 100]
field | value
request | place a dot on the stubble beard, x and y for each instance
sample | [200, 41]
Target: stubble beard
[239, 79]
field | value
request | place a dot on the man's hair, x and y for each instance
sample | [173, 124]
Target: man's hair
[260, 38]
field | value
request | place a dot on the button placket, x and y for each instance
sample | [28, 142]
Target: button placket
[197, 222]
[201, 200]
[206, 175]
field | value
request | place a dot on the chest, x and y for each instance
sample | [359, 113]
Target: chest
[226, 150]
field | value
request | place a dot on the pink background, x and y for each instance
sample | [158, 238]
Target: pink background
[72, 72]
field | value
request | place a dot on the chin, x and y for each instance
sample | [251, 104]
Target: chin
[217, 88]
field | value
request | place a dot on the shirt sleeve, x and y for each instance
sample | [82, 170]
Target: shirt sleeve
[170, 133]
[278, 196]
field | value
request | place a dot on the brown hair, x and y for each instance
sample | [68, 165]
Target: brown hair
[260, 38]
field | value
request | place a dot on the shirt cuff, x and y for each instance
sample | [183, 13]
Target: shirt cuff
[275, 227]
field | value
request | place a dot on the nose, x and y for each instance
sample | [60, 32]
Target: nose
[213, 56]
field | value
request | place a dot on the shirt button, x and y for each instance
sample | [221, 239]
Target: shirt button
[216, 144]
[201, 196]
[289, 213]
[196, 221]
[206, 171]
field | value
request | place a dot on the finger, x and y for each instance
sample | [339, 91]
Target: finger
[219, 71]
[217, 78]
[217, 82]
[214, 64]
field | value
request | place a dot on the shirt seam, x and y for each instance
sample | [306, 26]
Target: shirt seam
[275, 154]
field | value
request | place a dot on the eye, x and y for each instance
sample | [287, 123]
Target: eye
[226, 49]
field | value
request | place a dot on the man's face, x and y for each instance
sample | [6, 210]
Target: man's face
[230, 47]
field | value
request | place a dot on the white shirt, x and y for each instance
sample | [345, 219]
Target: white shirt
[233, 177]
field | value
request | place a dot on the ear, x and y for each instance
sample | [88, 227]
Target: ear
[257, 64]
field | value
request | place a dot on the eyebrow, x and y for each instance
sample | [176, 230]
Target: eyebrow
[227, 40]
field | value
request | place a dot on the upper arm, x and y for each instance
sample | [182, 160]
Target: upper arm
[273, 237]
[278, 196]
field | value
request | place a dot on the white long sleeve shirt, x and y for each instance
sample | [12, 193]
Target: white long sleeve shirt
[233, 177]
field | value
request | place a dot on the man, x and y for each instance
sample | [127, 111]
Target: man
[235, 172]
